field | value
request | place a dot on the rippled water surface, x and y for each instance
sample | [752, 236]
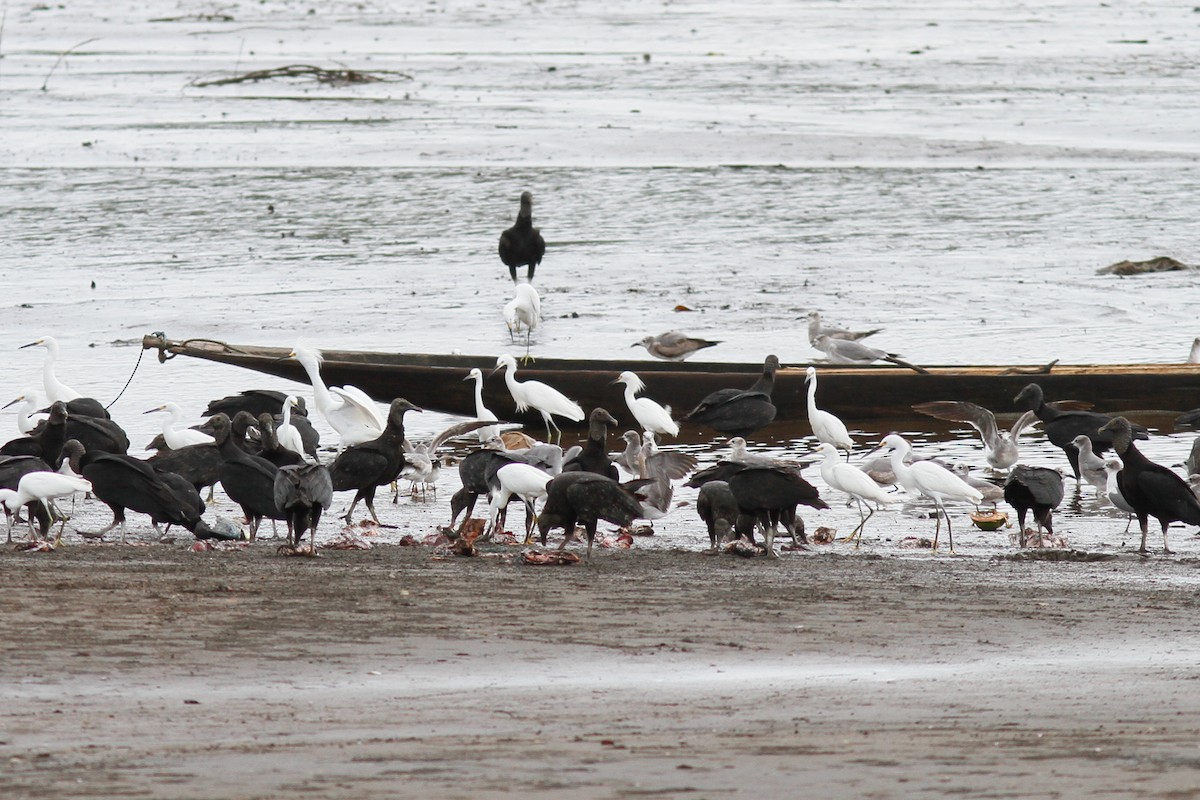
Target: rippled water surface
[955, 174]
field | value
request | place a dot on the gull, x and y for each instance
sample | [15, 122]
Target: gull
[1112, 467]
[673, 345]
[990, 491]
[547, 400]
[843, 351]
[1091, 466]
[825, 426]
[649, 414]
[999, 447]
[1194, 354]
[817, 328]
[931, 480]
[421, 462]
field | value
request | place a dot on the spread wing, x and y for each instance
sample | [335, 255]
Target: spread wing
[358, 398]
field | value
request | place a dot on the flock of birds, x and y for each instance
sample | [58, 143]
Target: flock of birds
[263, 450]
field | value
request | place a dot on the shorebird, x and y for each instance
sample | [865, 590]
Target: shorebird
[673, 345]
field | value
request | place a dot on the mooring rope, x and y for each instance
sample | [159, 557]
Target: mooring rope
[135, 369]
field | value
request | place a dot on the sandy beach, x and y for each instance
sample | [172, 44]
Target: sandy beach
[159, 672]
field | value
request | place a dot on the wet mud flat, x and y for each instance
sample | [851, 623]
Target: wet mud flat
[159, 672]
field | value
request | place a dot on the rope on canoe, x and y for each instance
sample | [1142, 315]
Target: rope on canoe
[141, 353]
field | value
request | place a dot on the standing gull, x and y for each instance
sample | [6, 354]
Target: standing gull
[522, 245]
[673, 345]
[817, 328]
[1112, 467]
[1091, 466]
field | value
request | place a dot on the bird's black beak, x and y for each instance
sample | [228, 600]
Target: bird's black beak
[497, 369]
[31, 344]
[14, 402]
[45, 410]
[467, 379]
[636, 344]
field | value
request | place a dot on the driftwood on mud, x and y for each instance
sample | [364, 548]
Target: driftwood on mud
[1159, 264]
[335, 77]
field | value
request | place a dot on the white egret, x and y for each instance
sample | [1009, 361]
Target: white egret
[55, 389]
[482, 412]
[347, 409]
[287, 434]
[27, 414]
[525, 309]
[547, 400]
[927, 478]
[523, 480]
[179, 437]
[853, 482]
[999, 447]
[42, 487]
[649, 414]
[825, 426]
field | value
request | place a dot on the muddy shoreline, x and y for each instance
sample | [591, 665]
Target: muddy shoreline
[159, 672]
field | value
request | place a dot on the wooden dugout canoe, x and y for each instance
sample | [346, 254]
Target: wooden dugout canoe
[855, 393]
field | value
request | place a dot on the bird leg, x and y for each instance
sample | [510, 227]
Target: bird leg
[769, 539]
[1144, 521]
[1166, 550]
[550, 423]
[371, 507]
[530, 521]
[350, 514]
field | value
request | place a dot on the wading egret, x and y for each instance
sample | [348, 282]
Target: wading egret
[853, 482]
[524, 310]
[825, 426]
[925, 477]
[649, 414]
[481, 411]
[546, 400]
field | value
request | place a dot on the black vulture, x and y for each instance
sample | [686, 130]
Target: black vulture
[1063, 426]
[1152, 490]
[594, 456]
[522, 245]
[124, 482]
[716, 502]
[477, 472]
[375, 463]
[302, 492]
[583, 498]
[1034, 488]
[739, 412]
[199, 465]
[255, 402]
[248, 480]
[272, 450]
[46, 440]
[771, 495]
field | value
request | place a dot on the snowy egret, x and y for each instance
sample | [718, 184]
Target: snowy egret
[368, 465]
[270, 448]
[817, 328]
[583, 498]
[42, 487]
[546, 400]
[673, 345]
[931, 480]
[1091, 466]
[520, 480]
[481, 411]
[1036, 488]
[853, 482]
[825, 426]
[847, 351]
[740, 411]
[525, 309]
[287, 433]
[302, 492]
[56, 390]
[124, 482]
[999, 447]
[594, 456]
[1062, 427]
[522, 245]
[649, 414]
[347, 409]
[477, 471]
[27, 414]
[1112, 468]
[177, 437]
[1151, 489]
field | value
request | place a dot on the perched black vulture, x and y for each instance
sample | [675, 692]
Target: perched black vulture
[1037, 489]
[272, 450]
[248, 480]
[716, 502]
[583, 498]
[375, 463]
[522, 245]
[199, 465]
[1152, 490]
[255, 402]
[302, 492]
[739, 412]
[1063, 426]
[124, 482]
[46, 440]
[594, 456]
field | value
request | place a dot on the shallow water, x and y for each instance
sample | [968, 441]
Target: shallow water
[953, 174]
